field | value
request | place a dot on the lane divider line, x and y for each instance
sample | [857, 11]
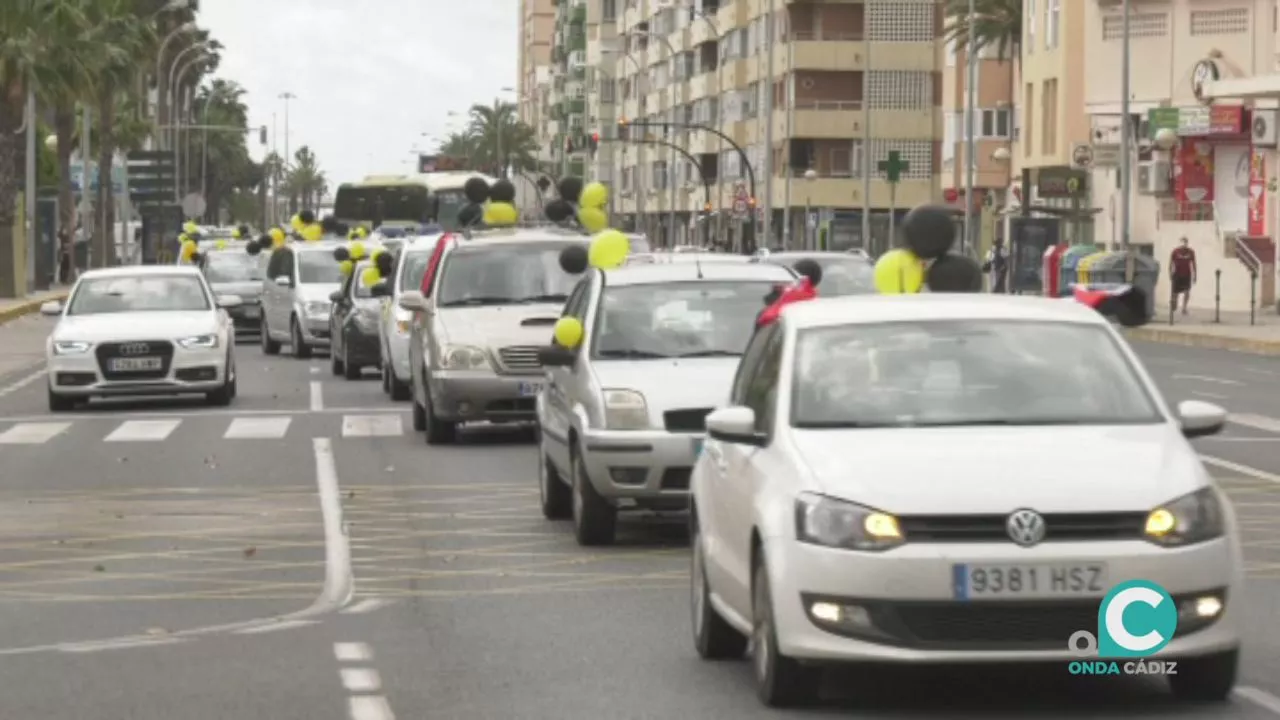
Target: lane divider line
[19, 384]
[361, 682]
[352, 651]
[317, 396]
[1259, 697]
[283, 625]
[370, 707]
[1242, 469]
[339, 581]
[366, 605]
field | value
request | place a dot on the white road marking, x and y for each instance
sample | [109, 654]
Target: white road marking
[19, 384]
[1257, 422]
[370, 707]
[371, 426]
[367, 605]
[1241, 469]
[1208, 395]
[143, 431]
[100, 414]
[257, 428]
[315, 370]
[339, 584]
[361, 680]
[352, 651]
[33, 433]
[119, 644]
[1261, 698]
[1208, 379]
[317, 396]
[1243, 440]
[283, 625]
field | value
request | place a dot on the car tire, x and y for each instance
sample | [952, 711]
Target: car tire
[595, 521]
[780, 681]
[335, 365]
[713, 638]
[386, 381]
[400, 390]
[439, 432]
[419, 417]
[1206, 679]
[269, 346]
[557, 498]
[60, 403]
[350, 371]
[297, 346]
[225, 394]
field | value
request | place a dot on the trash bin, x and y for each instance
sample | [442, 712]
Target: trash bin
[1083, 265]
[1109, 270]
[1068, 266]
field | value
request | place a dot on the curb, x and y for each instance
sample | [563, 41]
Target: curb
[1185, 338]
[28, 307]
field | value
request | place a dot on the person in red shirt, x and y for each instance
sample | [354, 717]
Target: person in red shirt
[1182, 273]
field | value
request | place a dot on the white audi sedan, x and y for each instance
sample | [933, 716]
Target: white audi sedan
[141, 330]
[954, 479]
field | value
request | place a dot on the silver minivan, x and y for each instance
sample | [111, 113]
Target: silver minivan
[295, 298]
[474, 339]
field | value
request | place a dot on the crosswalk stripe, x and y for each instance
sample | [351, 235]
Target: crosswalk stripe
[257, 428]
[371, 425]
[143, 431]
[33, 433]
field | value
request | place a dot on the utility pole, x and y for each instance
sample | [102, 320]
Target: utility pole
[790, 84]
[866, 143]
[767, 75]
[29, 190]
[286, 97]
[1126, 152]
[970, 105]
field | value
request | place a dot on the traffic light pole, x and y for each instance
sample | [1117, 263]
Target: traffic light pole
[706, 184]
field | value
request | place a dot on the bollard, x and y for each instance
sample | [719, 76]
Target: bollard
[1253, 297]
[1217, 296]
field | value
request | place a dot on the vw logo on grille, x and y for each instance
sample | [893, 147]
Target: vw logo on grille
[1025, 527]
[135, 349]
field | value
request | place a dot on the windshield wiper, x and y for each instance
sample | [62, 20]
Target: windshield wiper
[708, 353]
[631, 354]
[543, 298]
[476, 301]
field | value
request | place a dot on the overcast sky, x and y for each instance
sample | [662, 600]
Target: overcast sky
[370, 77]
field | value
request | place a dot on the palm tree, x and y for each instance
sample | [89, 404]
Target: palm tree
[221, 165]
[500, 139]
[995, 23]
[305, 182]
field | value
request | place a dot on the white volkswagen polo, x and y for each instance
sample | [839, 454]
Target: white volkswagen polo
[957, 479]
[141, 330]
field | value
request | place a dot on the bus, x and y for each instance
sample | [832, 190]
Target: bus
[428, 198]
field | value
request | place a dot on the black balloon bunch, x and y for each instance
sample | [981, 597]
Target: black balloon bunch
[584, 203]
[927, 260]
[493, 205]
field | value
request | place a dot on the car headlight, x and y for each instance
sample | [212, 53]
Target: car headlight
[834, 523]
[1187, 520]
[462, 357]
[625, 410]
[316, 309]
[70, 347]
[199, 342]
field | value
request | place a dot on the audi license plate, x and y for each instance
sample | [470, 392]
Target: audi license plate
[139, 364]
[1028, 581]
[529, 389]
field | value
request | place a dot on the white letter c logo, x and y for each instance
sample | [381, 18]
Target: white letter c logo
[1115, 619]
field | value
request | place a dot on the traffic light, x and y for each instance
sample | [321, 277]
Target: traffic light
[624, 127]
[568, 144]
[594, 143]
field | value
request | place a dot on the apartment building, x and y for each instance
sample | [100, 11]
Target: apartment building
[839, 77]
[537, 21]
[1204, 166]
[567, 100]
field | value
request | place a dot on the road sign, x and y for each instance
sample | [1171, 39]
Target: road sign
[152, 178]
[1082, 155]
[193, 205]
[894, 166]
[741, 200]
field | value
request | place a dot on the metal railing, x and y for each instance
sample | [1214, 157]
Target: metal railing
[823, 36]
[829, 105]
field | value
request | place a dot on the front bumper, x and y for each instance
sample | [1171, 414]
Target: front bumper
[188, 371]
[644, 465]
[246, 318]
[315, 330]
[479, 396]
[908, 593]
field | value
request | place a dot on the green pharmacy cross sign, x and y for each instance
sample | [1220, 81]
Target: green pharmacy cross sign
[894, 166]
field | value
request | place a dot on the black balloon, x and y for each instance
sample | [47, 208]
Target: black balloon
[503, 191]
[570, 189]
[954, 274]
[307, 217]
[471, 214]
[810, 269]
[544, 183]
[476, 190]
[197, 259]
[929, 231]
[252, 247]
[385, 264]
[558, 211]
[573, 259]
[341, 254]
[244, 231]
[264, 242]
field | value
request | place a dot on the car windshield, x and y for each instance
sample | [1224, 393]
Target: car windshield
[678, 319]
[971, 372]
[415, 269]
[139, 293]
[362, 289]
[316, 266]
[504, 275]
[233, 267]
[850, 275]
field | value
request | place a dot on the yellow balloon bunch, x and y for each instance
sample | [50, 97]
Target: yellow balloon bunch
[357, 233]
[296, 224]
[188, 249]
[190, 227]
[278, 238]
[346, 266]
[221, 245]
[500, 214]
[357, 250]
[591, 207]
[312, 233]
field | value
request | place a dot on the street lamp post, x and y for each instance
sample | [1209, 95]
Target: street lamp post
[970, 109]
[669, 127]
[810, 176]
[175, 80]
[286, 96]
[169, 89]
[161, 80]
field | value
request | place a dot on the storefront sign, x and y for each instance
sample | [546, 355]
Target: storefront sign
[1226, 120]
[1212, 121]
[1162, 118]
[1257, 193]
[1062, 182]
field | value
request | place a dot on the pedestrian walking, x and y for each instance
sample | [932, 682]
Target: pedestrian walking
[997, 267]
[1182, 274]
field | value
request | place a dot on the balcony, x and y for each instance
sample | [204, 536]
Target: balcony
[821, 119]
[842, 53]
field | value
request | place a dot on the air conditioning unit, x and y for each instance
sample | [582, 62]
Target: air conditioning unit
[1154, 178]
[1264, 127]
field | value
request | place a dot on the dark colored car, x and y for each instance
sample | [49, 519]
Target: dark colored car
[353, 326]
[842, 273]
[232, 271]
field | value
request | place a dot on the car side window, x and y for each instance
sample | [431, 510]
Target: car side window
[750, 358]
[575, 306]
[280, 264]
[762, 387]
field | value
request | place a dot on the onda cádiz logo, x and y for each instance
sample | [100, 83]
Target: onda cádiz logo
[1136, 619]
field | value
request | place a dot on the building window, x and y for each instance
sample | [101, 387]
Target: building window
[899, 90]
[1051, 20]
[1141, 25]
[1232, 21]
[901, 21]
[608, 10]
[1049, 117]
[1028, 110]
[1030, 22]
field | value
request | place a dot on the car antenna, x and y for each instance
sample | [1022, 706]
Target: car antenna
[697, 262]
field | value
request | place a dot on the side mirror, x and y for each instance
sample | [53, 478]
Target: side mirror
[557, 356]
[380, 290]
[1201, 419]
[336, 296]
[53, 307]
[284, 281]
[412, 301]
[734, 424]
[229, 301]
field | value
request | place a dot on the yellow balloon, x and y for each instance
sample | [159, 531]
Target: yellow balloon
[296, 223]
[369, 276]
[312, 232]
[595, 196]
[357, 250]
[362, 232]
[593, 219]
[235, 233]
[221, 244]
[183, 238]
[568, 332]
[190, 227]
[898, 272]
[608, 250]
[346, 266]
[277, 236]
[500, 214]
[188, 249]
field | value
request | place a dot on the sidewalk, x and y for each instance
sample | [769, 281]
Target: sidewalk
[1198, 329]
[11, 308]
